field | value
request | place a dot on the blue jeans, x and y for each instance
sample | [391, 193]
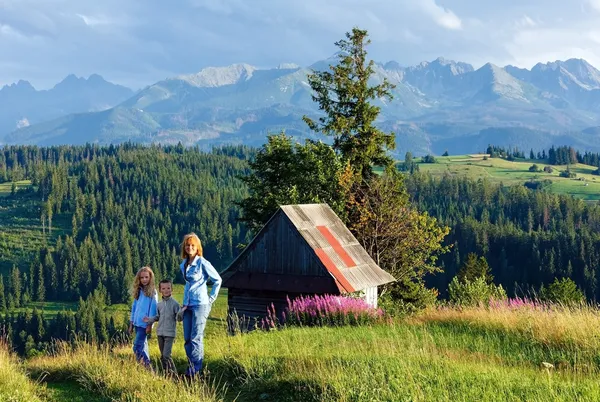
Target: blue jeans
[194, 322]
[140, 345]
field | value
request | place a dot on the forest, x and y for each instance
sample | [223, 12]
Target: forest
[129, 206]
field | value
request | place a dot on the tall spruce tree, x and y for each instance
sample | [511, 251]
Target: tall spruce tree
[344, 94]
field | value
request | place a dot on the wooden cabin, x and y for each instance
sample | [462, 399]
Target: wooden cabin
[302, 250]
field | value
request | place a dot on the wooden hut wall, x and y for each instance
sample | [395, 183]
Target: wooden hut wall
[246, 308]
[280, 249]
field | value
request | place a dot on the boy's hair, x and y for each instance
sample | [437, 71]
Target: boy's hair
[194, 239]
[164, 282]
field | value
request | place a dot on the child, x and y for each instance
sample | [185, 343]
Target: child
[197, 303]
[166, 330]
[144, 304]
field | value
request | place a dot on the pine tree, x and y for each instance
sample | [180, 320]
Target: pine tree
[2, 297]
[344, 95]
[475, 267]
[15, 286]
[40, 288]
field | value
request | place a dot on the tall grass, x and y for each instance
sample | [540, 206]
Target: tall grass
[14, 384]
[495, 353]
[576, 328]
[122, 379]
[442, 355]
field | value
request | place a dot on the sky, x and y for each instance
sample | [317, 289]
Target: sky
[138, 42]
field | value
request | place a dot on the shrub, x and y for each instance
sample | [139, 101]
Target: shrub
[568, 174]
[538, 185]
[428, 159]
[535, 168]
[562, 291]
[474, 292]
[597, 172]
[548, 169]
[445, 153]
[330, 310]
[407, 297]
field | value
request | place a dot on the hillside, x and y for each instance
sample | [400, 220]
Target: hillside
[497, 170]
[508, 352]
[437, 105]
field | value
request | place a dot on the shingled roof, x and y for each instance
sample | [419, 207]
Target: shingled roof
[336, 250]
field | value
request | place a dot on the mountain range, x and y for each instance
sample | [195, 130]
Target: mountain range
[21, 105]
[437, 106]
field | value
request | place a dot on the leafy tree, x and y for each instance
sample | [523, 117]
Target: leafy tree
[534, 168]
[403, 241]
[290, 173]
[345, 96]
[445, 153]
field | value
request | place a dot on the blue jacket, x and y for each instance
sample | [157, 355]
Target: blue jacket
[144, 306]
[195, 291]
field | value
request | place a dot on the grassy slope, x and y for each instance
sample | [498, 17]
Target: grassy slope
[516, 172]
[473, 354]
[14, 384]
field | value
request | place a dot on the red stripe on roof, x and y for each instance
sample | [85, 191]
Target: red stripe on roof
[337, 247]
[342, 282]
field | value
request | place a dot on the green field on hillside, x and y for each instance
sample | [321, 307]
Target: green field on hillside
[585, 186]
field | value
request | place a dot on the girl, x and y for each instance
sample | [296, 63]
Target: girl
[145, 299]
[196, 271]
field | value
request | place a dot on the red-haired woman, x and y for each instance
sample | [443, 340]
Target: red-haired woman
[197, 302]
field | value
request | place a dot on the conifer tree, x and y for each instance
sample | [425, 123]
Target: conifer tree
[344, 94]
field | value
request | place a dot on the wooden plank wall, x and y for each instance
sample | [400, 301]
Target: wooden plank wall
[281, 250]
[246, 308]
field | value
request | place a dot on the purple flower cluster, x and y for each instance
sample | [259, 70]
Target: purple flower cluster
[328, 310]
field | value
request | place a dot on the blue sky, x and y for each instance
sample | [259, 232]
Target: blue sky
[138, 42]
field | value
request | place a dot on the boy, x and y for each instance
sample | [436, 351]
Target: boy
[166, 311]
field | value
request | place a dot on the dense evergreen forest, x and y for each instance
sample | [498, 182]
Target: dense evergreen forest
[129, 205]
[528, 237]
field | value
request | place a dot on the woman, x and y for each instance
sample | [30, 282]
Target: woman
[197, 303]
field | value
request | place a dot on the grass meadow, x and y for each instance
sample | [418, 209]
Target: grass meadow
[498, 170]
[502, 353]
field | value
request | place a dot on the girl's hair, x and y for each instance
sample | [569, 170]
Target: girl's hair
[149, 289]
[191, 238]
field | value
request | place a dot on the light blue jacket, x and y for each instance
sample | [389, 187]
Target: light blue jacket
[195, 291]
[144, 306]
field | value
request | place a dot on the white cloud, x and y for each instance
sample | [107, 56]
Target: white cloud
[595, 4]
[442, 16]
[93, 21]
[137, 43]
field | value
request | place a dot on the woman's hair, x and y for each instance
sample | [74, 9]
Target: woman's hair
[149, 290]
[191, 238]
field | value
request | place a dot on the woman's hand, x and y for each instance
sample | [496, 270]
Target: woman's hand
[130, 329]
[148, 329]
